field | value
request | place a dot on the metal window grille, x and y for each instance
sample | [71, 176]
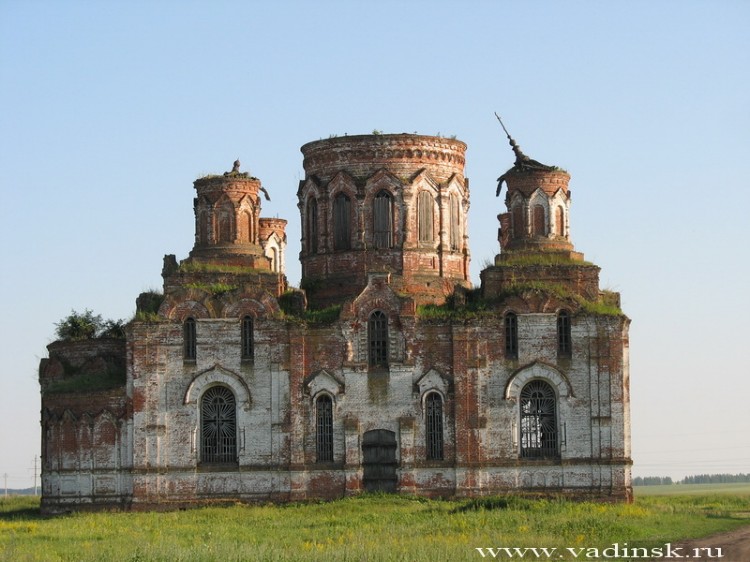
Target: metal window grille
[189, 339]
[324, 436]
[378, 339]
[425, 207]
[383, 220]
[564, 341]
[511, 336]
[218, 426]
[341, 222]
[434, 420]
[311, 226]
[538, 421]
[247, 337]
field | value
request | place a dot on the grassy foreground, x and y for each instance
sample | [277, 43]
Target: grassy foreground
[377, 528]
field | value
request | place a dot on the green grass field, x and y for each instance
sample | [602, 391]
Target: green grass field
[692, 489]
[376, 528]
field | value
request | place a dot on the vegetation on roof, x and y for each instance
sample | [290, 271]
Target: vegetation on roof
[86, 326]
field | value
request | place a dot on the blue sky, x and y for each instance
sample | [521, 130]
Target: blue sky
[110, 110]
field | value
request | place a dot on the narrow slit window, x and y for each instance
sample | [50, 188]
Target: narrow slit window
[248, 343]
[383, 220]
[189, 339]
[324, 428]
[434, 426]
[564, 340]
[425, 210]
[378, 339]
[341, 222]
[511, 336]
[311, 226]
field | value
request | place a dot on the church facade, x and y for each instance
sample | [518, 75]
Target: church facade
[385, 371]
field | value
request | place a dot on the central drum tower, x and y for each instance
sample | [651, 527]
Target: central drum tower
[392, 204]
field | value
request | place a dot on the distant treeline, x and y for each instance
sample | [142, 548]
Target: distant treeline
[698, 479]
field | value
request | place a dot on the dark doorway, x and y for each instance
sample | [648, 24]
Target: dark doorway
[379, 461]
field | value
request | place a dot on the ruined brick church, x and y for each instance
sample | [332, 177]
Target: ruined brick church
[385, 371]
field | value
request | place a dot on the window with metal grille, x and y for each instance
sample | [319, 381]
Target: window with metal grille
[218, 426]
[564, 342]
[538, 420]
[341, 222]
[377, 335]
[425, 210]
[247, 337]
[324, 423]
[382, 216]
[189, 339]
[455, 222]
[434, 429]
[511, 336]
[311, 226]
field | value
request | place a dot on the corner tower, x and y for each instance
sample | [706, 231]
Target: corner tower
[394, 204]
[534, 235]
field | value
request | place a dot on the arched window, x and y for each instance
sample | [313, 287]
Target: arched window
[511, 336]
[324, 428]
[245, 228]
[559, 221]
[539, 222]
[248, 350]
[203, 227]
[564, 341]
[275, 265]
[311, 226]
[425, 211]
[455, 222]
[218, 426]
[189, 339]
[382, 218]
[377, 335]
[434, 426]
[341, 222]
[519, 230]
[226, 220]
[538, 420]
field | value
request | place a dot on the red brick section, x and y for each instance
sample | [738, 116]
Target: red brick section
[361, 166]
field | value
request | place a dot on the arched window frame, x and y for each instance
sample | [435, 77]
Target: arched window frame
[564, 336]
[311, 225]
[247, 337]
[454, 206]
[519, 227]
[218, 426]
[511, 335]
[189, 339]
[377, 339]
[434, 426]
[382, 219]
[324, 428]
[425, 217]
[342, 231]
[560, 221]
[538, 420]
[539, 220]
